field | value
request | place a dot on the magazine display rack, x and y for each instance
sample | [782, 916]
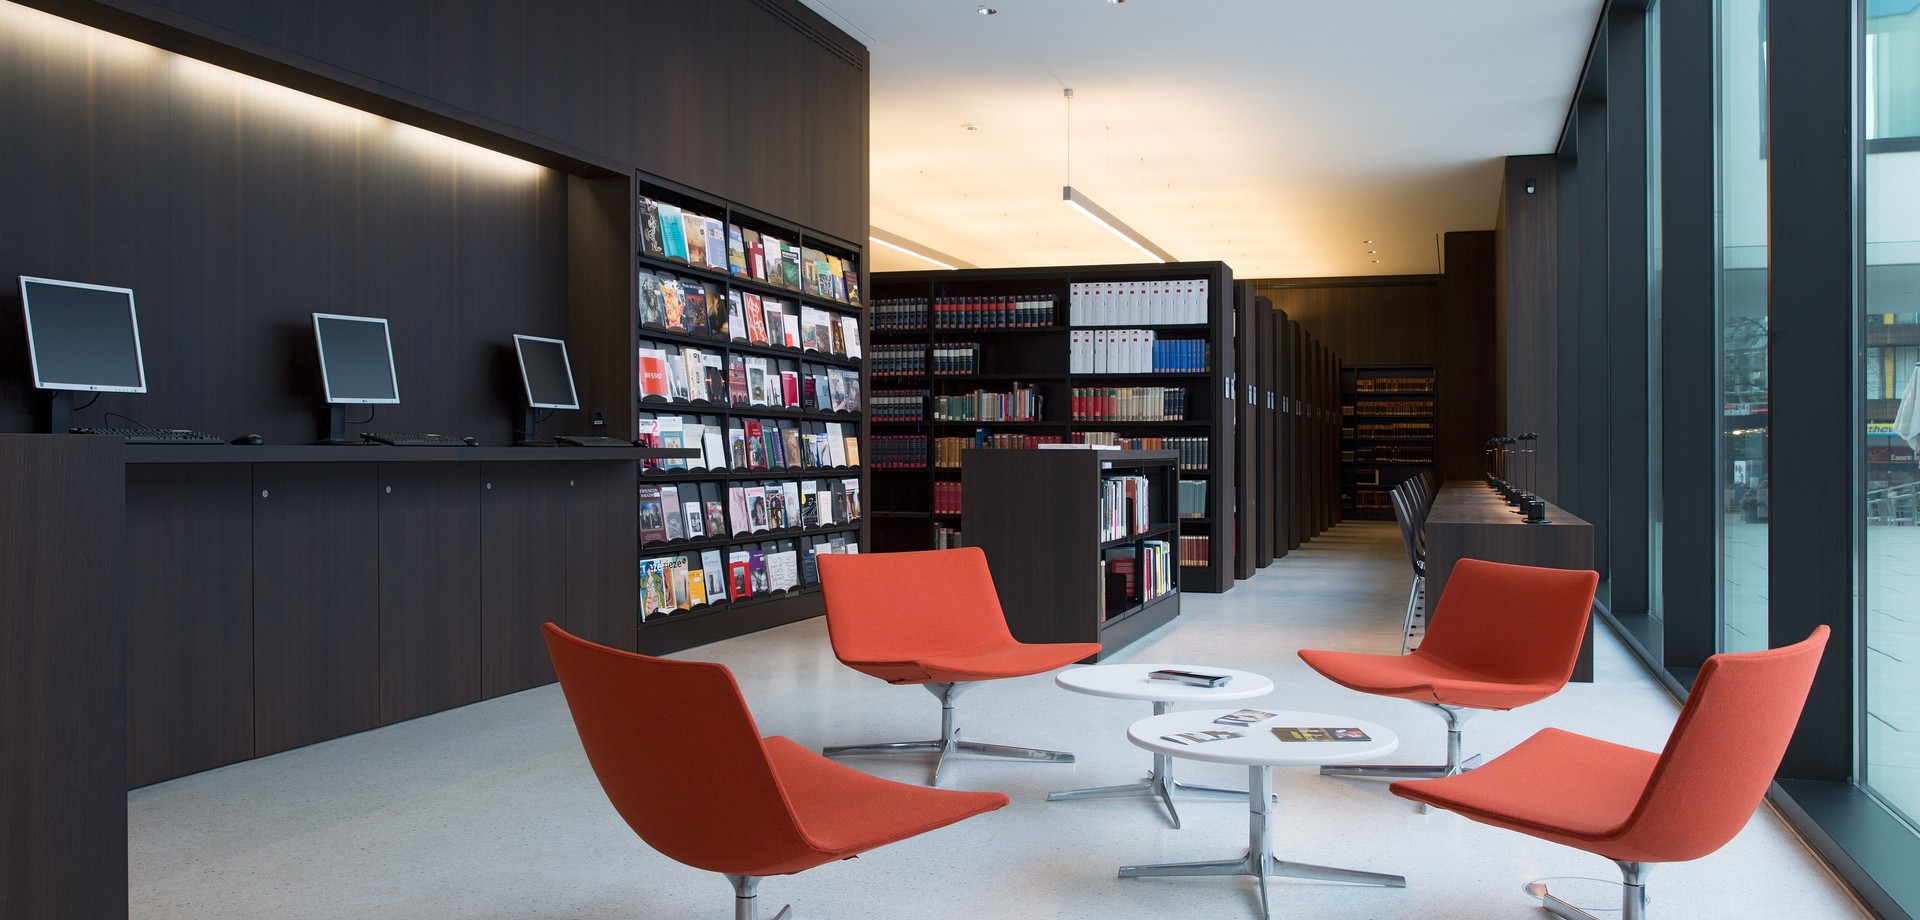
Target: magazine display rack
[750, 347]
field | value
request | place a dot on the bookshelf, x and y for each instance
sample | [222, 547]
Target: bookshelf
[1386, 434]
[1101, 563]
[1135, 355]
[749, 345]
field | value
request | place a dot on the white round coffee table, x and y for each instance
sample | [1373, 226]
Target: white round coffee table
[1130, 682]
[1260, 750]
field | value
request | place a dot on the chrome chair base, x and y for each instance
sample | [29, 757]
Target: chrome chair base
[1456, 717]
[949, 742]
[1259, 860]
[746, 899]
[1633, 895]
[1159, 784]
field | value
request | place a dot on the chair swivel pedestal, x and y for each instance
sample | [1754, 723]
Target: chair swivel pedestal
[1633, 895]
[746, 899]
[949, 742]
[1456, 717]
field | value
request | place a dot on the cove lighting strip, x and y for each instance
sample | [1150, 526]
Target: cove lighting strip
[1080, 202]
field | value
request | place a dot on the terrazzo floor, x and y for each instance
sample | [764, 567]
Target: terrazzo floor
[490, 811]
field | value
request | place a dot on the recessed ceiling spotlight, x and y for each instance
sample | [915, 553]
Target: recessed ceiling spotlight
[1369, 252]
[987, 11]
[970, 126]
[1376, 261]
[1116, 2]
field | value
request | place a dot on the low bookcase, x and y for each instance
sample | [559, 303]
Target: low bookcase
[1084, 544]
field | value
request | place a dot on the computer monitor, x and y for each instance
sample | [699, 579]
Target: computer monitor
[356, 366]
[547, 377]
[356, 359]
[546, 373]
[81, 338]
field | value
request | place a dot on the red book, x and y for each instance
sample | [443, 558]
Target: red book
[790, 387]
[653, 372]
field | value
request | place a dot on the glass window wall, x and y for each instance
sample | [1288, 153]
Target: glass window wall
[1744, 480]
[1891, 386]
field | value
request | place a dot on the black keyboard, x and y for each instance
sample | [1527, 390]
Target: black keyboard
[154, 435]
[571, 440]
[412, 440]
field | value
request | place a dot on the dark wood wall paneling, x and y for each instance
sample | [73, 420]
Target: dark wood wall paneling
[759, 101]
[1526, 253]
[1468, 359]
[233, 219]
[63, 813]
[1387, 320]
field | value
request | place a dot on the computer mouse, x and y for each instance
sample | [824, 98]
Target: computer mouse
[249, 439]
[471, 442]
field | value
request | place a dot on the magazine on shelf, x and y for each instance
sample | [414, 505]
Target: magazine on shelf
[673, 233]
[739, 579]
[650, 228]
[653, 304]
[694, 228]
[736, 316]
[693, 295]
[1295, 733]
[715, 573]
[676, 523]
[653, 523]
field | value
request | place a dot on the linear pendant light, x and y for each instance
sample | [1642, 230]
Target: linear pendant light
[900, 243]
[1080, 202]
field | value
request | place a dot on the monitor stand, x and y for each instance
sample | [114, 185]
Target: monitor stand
[525, 422]
[337, 429]
[60, 412]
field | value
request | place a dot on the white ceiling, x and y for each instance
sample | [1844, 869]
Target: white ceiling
[1275, 135]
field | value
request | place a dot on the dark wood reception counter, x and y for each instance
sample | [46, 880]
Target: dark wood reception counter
[1471, 521]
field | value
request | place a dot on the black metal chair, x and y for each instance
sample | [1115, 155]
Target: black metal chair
[1404, 505]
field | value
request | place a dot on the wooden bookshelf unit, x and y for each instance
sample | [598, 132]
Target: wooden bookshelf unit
[1003, 358]
[1386, 434]
[1073, 550]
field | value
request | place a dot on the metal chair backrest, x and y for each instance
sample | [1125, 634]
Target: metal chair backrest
[1409, 531]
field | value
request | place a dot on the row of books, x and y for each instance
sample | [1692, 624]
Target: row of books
[750, 444]
[1196, 552]
[946, 498]
[1393, 385]
[1193, 498]
[899, 360]
[897, 451]
[675, 234]
[1127, 303]
[1129, 404]
[946, 451]
[673, 583]
[1134, 351]
[693, 510]
[694, 307]
[957, 358]
[1000, 311]
[1125, 506]
[1411, 407]
[1021, 404]
[685, 373]
[1192, 450]
[1135, 576]
[1371, 500]
[945, 537]
[897, 405]
[1390, 430]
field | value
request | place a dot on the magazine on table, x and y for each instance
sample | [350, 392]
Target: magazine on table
[1293, 733]
[1244, 717]
[1201, 737]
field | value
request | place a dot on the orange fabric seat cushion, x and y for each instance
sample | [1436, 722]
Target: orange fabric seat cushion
[1556, 785]
[843, 812]
[989, 663]
[1426, 680]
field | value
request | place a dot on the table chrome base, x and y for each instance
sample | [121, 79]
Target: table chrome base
[1259, 860]
[949, 742]
[1159, 784]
